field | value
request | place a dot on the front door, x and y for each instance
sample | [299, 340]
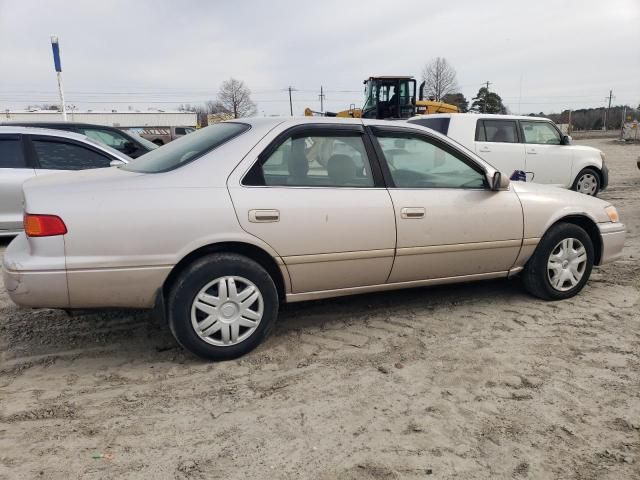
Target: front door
[547, 159]
[449, 222]
[313, 196]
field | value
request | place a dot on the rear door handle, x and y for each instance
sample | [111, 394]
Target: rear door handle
[532, 151]
[264, 216]
[412, 212]
[484, 149]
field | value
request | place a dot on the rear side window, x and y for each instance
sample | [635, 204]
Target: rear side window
[500, 131]
[438, 124]
[180, 131]
[186, 148]
[315, 161]
[57, 155]
[11, 155]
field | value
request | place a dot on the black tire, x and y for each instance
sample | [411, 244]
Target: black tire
[194, 278]
[588, 173]
[536, 277]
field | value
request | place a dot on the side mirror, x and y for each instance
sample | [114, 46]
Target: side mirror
[116, 163]
[499, 181]
[566, 140]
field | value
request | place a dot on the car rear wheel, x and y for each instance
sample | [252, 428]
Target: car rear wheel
[587, 182]
[222, 306]
[561, 264]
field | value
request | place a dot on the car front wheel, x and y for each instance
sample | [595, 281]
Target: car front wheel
[222, 306]
[561, 264]
[587, 182]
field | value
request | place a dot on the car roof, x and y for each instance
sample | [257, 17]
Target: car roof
[478, 115]
[54, 124]
[18, 130]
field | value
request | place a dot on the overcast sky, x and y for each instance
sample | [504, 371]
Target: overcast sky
[116, 53]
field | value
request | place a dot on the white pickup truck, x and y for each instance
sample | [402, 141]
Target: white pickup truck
[532, 145]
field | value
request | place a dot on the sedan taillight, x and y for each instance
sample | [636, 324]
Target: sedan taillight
[43, 225]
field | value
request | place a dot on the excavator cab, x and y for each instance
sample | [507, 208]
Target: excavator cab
[389, 97]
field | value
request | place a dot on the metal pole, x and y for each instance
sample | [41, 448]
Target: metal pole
[321, 100]
[55, 47]
[61, 92]
[290, 101]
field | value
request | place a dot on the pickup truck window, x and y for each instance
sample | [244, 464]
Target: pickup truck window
[503, 131]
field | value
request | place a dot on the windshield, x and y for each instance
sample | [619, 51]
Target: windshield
[186, 148]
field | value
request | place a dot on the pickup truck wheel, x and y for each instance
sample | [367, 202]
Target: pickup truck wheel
[561, 264]
[222, 306]
[587, 182]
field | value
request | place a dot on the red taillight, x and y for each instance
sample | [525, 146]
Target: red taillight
[43, 225]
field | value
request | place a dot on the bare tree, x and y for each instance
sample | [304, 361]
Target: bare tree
[440, 79]
[235, 97]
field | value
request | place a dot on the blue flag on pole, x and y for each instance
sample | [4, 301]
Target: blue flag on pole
[56, 54]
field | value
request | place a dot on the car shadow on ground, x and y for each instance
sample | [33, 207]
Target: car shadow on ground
[40, 335]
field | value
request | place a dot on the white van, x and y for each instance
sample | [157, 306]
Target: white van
[533, 145]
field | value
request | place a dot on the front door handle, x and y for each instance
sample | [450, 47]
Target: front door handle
[264, 216]
[484, 149]
[531, 151]
[412, 212]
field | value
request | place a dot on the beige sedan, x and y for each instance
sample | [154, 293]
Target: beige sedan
[217, 229]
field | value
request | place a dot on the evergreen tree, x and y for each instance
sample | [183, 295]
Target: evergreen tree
[487, 102]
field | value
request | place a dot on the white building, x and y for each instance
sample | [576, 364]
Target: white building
[113, 118]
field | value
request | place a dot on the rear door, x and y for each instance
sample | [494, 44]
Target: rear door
[316, 197]
[547, 159]
[498, 142]
[55, 154]
[14, 170]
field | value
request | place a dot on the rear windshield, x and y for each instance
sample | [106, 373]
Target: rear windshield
[186, 149]
[438, 124]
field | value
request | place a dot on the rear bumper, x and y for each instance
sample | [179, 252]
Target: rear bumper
[27, 283]
[612, 235]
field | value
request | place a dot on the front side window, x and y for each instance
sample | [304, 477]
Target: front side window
[11, 155]
[186, 148]
[315, 161]
[540, 132]
[501, 131]
[106, 137]
[58, 155]
[415, 162]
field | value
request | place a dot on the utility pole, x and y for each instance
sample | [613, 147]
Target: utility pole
[291, 89]
[55, 47]
[606, 115]
[484, 104]
[321, 96]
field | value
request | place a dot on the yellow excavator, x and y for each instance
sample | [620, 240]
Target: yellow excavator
[391, 97]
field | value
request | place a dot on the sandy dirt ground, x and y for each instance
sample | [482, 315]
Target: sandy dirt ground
[468, 381]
